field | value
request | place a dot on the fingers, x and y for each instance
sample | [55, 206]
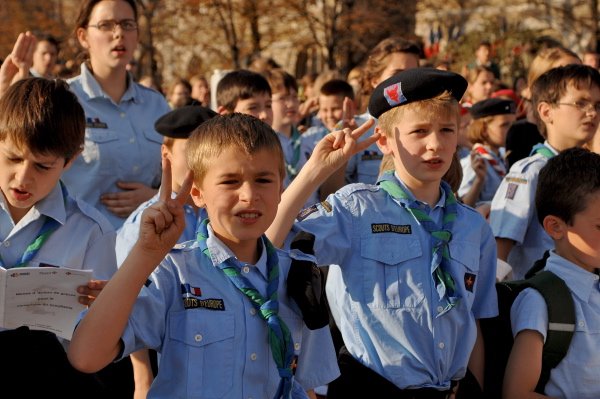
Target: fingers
[362, 129]
[22, 53]
[165, 182]
[184, 191]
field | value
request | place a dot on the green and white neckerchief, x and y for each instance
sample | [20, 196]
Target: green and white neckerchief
[440, 259]
[50, 225]
[292, 166]
[543, 150]
[280, 338]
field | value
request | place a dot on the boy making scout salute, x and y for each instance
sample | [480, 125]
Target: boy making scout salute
[417, 268]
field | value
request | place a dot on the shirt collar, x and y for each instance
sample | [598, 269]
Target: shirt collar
[580, 281]
[52, 206]
[440, 204]
[550, 147]
[92, 88]
[220, 253]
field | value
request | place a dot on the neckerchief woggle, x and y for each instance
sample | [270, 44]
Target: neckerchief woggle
[50, 225]
[280, 338]
[440, 259]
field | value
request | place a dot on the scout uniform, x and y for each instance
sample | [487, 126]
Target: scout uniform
[121, 143]
[513, 214]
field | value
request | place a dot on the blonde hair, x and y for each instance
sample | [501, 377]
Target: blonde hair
[240, 131]
[545, 60]
[431, 107]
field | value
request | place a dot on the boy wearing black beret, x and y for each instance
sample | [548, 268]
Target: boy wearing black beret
[417, 268]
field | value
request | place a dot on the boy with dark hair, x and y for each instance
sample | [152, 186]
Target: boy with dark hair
[45, 57]
[41, 225]
[567, 200]
[245, 92]
[416, 268]
[216, 308]
[566, 102]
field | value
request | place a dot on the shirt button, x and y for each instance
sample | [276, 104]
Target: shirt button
[122, 114]
[581, 324]
[297, 346]
[253, 356]
[198, 337]
[246, 269]
[135, 168]
[252, 311]
[441, 345]
[440, 309]
[6, 243]
[132, 140]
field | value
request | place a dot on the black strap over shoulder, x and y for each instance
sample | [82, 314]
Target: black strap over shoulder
[306, 285]
[561, 319]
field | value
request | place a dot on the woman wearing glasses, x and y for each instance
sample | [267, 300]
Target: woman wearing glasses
[120, 166]
[120, 163]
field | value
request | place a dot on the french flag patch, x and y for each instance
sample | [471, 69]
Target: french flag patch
[188, 289]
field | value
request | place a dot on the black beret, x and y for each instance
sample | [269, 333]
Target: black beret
[180, 122]
[412, 85]
[492, 106]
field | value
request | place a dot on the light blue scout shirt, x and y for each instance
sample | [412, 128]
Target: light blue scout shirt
[212, 342]
[385, 302]
[120, 141]
[363, 167]
[128, 234]
[85, 240]
[513, 214]
[576, 376]
[491, 183]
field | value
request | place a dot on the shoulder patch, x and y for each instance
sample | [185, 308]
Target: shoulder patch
[511, 190]
[517, 180]
[304, 213]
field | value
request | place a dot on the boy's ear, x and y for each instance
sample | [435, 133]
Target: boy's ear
[545, 111]
[221, 110]
[554, 226]
[197, 197]
[382, 142]
[164, 151]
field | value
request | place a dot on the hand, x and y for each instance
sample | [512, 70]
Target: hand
[479, 166]
[348, 112]
[337, 147]
[16, 65]
[307, 107]
[124, 202]
[163, 222]
[90, 291]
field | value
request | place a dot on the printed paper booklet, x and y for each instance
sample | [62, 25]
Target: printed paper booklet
[42, 298]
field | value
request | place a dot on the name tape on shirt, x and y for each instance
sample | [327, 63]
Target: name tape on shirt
[210, 303]
[390, 228]
[95, 123]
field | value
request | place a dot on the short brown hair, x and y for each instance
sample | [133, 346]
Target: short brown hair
[477, 129]
[240, 84]
[237, 130]
[43, 116]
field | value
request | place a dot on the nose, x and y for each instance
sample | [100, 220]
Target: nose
[23, 173]
[247, 193]
[434, 143]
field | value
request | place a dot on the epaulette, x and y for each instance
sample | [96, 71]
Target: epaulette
[94, 215]
[522, 165]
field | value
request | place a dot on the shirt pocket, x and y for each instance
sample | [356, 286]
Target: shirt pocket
[208, 340]
[98, 151]
[392, 272]
[464, 267]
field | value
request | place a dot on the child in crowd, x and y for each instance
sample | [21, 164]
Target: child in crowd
[566, 101]
[245, 92]
[179, 93]
[390, 56]
[417, 269]
[482, 84]
[216, 308]
[200, 90]
[491, 120]
[176, 127]
[45, 57]
[42, 129]
[567, 200]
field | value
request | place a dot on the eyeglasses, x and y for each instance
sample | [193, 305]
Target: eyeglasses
[109, 25]
[583, 105]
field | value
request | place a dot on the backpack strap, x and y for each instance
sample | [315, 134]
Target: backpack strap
[561, 321]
